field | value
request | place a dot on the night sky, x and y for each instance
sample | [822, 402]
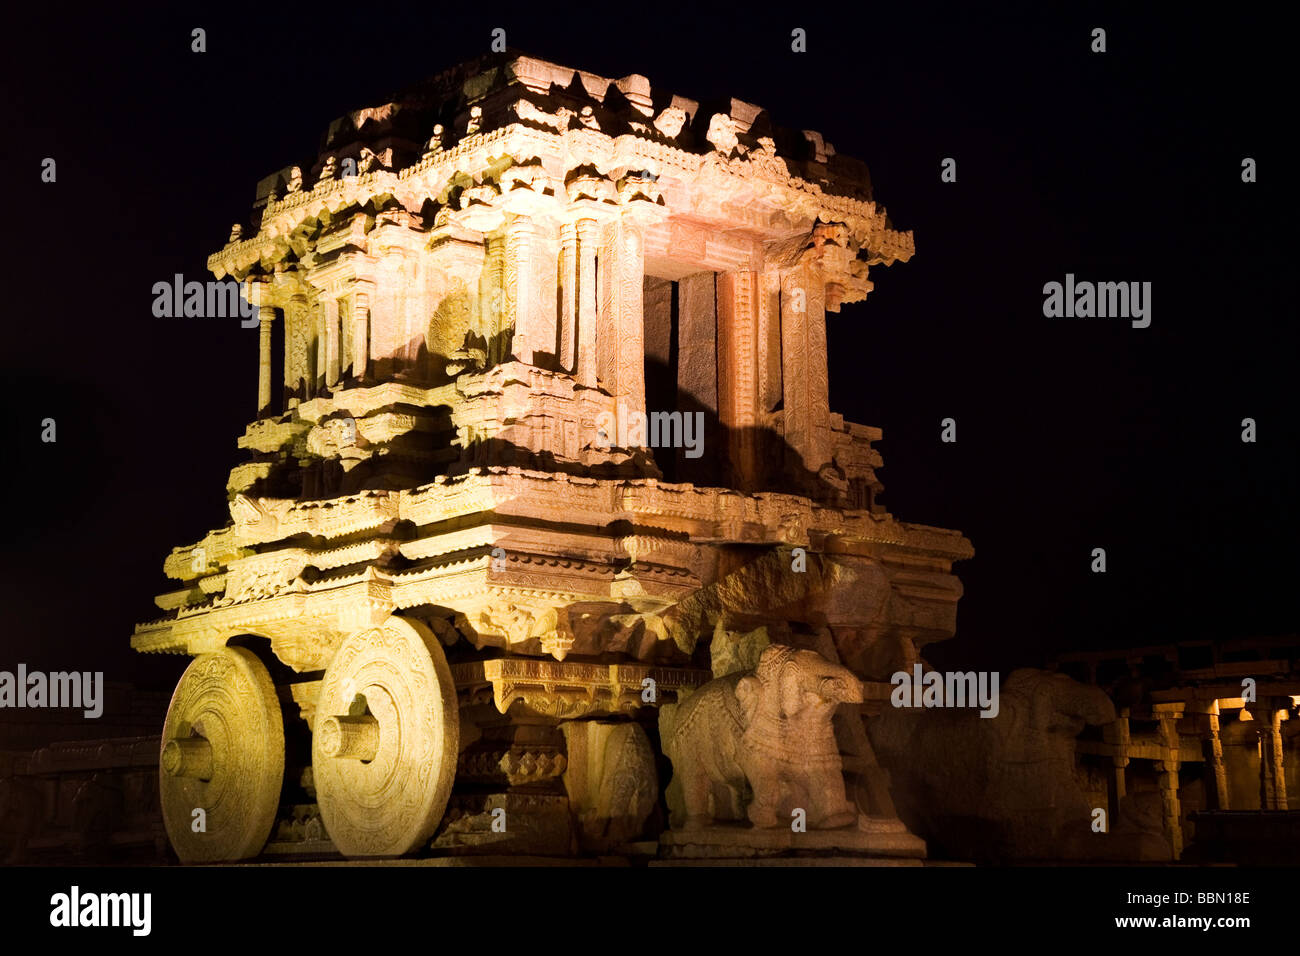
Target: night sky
[1072, 433]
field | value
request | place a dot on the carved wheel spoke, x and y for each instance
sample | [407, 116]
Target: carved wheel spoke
[222, 754]
[385, 740]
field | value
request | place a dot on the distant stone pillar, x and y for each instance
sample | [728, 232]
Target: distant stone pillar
[568, 296]
[1269, 714]
[1212, 747]
[265, 316]
[805, 385]
[586, 360]
[1116, 734]
[1274, 757]
[1167, 777]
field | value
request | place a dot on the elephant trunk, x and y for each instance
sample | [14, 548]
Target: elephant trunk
[847, 690]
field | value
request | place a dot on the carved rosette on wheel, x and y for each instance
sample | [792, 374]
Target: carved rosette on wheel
[385, 740]
[223, 754]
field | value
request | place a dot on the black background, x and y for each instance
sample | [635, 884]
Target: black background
[1072, 434]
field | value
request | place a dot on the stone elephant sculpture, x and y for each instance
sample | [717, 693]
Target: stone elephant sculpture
[1001, 789]
[768, 734]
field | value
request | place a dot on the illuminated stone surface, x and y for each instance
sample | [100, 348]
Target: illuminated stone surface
[477, 294]
[383, 789]
[222, 758]
[771, 730]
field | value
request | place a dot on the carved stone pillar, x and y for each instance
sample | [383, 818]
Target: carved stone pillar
[346, 340]
[737, 375]
[1167, 775]
[805, 386]
[492, 296]
[588, 241]
[1216, 783]
[361, 337]
[1116, 734]
[768, 323]
[520, 296]
[628, 328]
[330, 320]
[568, 297]
[295, 350]
[697, 337]
[265, 316]
[320, 350]
[1274, 758]
[697, 375]
[1269, 714]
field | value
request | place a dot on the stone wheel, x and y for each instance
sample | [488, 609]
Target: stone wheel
[385, 740]
[223, 754]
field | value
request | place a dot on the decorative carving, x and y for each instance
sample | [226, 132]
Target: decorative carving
[670, 121]
[514, 623]
[590, 186]
[262, 576]
[302, 825]
[765, 161]
[480, 193]
[529, 686]
[522, 176]
[258, 519]
[639, 185]
[611, 781]
[722, 133]
[434, 146]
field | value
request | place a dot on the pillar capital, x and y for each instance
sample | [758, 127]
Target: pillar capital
[259, 293]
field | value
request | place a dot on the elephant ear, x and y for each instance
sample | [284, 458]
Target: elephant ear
[748, 690]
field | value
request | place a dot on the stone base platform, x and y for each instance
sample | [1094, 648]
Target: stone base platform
[873, 842]
[792, 861]
[448, 861]
[619, 862]
[883, 842]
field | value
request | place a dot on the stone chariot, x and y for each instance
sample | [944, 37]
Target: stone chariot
[474, 570]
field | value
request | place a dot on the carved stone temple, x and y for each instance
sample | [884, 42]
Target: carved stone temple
[547, 540]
